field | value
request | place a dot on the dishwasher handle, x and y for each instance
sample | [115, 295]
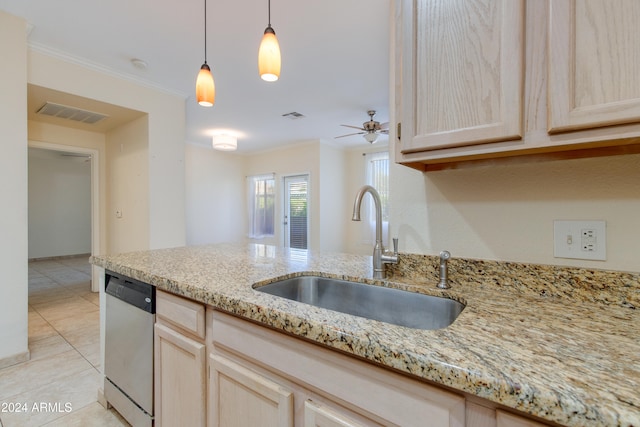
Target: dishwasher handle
[134, 292]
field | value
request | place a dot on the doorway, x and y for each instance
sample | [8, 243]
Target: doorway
[296, 217]
[92, 156]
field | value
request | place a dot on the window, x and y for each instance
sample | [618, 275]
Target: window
[262, 192]
[377, 171]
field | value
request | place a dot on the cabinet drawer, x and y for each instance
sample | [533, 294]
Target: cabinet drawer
[177, 311]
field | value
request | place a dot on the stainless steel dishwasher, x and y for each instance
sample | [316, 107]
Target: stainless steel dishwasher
[128, 354]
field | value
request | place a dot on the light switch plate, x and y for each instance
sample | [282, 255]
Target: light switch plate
[580, 240]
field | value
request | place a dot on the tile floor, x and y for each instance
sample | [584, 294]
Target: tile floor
[59, 385]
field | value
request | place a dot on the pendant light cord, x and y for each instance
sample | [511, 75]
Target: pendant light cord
[269, 2]
[205, 31]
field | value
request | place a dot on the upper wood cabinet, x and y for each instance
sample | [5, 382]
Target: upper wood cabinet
[594, 63]
[466, 83]
[485, 79]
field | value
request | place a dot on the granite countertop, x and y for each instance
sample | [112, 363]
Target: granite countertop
[568, 355]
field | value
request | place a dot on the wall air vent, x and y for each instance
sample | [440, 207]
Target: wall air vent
[70, 113]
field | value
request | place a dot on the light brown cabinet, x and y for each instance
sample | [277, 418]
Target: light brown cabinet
[218, 370]
[179, 363]
[321, 415]
[484, 79]
[594, 64]
[506, 419]
[466, 82]
[242, 397]
[255, 370]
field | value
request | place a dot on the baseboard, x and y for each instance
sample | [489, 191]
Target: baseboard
[15, 359]
[59, 257]
[103, 400]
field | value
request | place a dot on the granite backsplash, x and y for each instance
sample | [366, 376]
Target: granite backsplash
[582, 284]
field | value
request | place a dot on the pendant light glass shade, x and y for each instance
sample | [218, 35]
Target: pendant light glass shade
[269, 56]
[205, 88]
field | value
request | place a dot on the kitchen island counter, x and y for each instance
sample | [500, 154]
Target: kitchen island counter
[567, 360]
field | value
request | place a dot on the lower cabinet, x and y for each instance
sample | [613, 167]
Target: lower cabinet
[246, 375]
[259, 374]
[242, 397]
[506, 419]
[179, 366]
[320, 415]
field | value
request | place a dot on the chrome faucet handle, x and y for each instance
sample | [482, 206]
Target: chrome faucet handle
[444, 256]
[388, 257]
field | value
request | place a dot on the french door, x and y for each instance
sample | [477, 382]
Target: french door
[296, 218]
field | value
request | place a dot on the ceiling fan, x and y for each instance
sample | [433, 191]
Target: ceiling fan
[370, 129]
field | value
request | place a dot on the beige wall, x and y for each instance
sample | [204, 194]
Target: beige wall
[128, 187]
[215, 196]
[506, 212]
[334, 212]
[166, 130]
[13, 190]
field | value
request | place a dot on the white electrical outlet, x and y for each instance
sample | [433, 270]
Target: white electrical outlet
[580, 240]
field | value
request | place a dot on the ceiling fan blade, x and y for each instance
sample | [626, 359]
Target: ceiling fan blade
[384, 125]
[350, 134]
[354, 127]
[384, 131]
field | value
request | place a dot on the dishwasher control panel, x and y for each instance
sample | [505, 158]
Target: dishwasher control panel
[139, 294]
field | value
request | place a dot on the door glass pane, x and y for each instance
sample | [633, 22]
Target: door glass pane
[297, 218]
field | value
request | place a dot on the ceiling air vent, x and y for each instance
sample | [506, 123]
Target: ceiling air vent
[294, 115]
[70, 113]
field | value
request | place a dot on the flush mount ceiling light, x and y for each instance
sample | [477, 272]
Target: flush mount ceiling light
[205, 88]
[225, 142]
[269, 54]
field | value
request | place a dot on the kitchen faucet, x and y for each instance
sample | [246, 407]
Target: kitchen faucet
[380, 257]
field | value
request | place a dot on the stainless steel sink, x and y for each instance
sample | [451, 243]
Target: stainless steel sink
[388, 305]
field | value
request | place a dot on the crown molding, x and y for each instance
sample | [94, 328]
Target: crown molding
[94, 66]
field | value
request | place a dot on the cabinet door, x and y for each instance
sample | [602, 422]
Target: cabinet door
[240, 397]
[319, 415]
[505, 419]
[462, 72]
[180, 379]
[594, 63]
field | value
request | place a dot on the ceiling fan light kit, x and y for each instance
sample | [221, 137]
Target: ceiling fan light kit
[205, 88]
[269, 60]
[370, 129]
[371, 137]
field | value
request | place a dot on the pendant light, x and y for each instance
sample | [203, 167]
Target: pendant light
[205, 88]
[269, 54]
